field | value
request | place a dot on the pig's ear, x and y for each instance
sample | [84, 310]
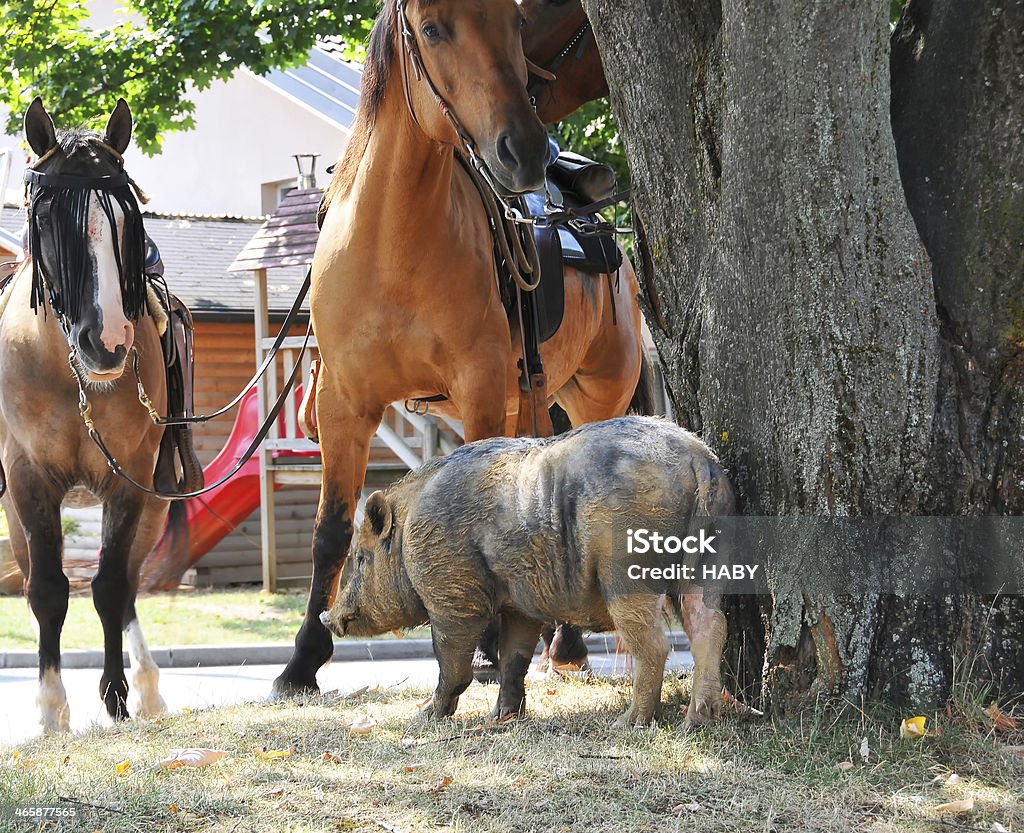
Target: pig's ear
[380, 514]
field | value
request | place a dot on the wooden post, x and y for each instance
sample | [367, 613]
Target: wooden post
[268, 532]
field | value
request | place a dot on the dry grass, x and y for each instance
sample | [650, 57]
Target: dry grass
[561, 769]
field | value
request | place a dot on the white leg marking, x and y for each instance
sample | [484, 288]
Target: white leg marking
[54, 713]
[145, 673]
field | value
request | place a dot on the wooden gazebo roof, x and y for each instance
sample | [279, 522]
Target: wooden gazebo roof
[287, 238]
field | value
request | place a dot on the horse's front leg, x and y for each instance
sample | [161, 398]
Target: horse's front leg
[145, 673]
[37, 505]
[111, 592]
[345, 445]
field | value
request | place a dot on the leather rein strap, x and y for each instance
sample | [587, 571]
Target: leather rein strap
[86, 410]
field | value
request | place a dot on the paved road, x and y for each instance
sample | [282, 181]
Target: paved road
[217, 686]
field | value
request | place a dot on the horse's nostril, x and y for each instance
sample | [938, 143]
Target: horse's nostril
[506, 152]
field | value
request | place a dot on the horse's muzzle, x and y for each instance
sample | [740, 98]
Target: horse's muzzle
[519, 159]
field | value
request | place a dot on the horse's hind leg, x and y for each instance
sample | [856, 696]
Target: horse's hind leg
[38, 510]
[145, 673]
[111, 592]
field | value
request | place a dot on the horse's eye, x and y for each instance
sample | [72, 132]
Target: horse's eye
[431, 32]
[522, 21]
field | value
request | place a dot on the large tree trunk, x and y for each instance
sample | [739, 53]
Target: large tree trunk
[808, 336]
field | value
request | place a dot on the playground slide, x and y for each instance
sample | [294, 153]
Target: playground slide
[216, 514]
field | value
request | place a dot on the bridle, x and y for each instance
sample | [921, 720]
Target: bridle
[519, 251]
[109, 187]
[35, 179]
[546, 76]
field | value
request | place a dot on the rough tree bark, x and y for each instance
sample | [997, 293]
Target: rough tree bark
[807, 334]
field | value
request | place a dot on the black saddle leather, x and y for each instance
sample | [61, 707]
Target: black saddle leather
[564, 246]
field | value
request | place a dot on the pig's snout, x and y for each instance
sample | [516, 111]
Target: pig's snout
[325, 620]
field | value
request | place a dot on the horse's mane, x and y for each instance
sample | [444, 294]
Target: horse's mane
[68, 216]
[380, 56]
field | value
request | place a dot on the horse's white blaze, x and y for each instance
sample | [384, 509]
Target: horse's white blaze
[54, 713]
[146, 674]
[117, 329]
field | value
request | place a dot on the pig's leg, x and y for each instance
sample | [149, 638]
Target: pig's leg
[454, 643]
[706, 627]
[638, 623]
[519, 636]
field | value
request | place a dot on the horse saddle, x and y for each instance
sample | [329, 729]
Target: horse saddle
[177, 345]
[580, 182]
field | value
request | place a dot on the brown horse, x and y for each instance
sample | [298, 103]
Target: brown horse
[406, 301]
[558, 38]
[81, 291]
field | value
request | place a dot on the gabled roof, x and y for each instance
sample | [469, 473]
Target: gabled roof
[326, 85]
[197, 252]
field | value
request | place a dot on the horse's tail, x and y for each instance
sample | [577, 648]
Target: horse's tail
[643, 402]
[169, 559]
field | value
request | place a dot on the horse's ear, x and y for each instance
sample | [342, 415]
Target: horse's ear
[119, 128]
[39, 129]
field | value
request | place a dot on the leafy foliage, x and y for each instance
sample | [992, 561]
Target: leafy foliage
[158, 52]
[593, 131]
[162, 49]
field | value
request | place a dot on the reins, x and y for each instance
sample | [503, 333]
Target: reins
[85, 408]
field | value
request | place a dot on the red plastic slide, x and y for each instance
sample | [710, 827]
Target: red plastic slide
[216, 514]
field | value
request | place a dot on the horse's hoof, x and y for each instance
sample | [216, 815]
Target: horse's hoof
[484, 671]
[285, 689]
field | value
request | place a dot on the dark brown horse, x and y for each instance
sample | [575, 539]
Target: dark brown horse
[406, 301]
[558, 38]
[77, 308]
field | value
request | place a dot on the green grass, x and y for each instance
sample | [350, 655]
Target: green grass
[200, 617]
[563, 768]
[189, 617]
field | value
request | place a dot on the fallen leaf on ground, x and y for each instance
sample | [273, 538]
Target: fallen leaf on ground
[66, 761]
[333, 758]
[17, 759]
[272, 754]
[422, 704]
[363, 725]
[192, 757]
[173, 808]
[276, 793]
[441, 785]
[551, 692]
[1002, 722]
[123, 768]
[965, 805]
[845, 766]
[913, 727]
